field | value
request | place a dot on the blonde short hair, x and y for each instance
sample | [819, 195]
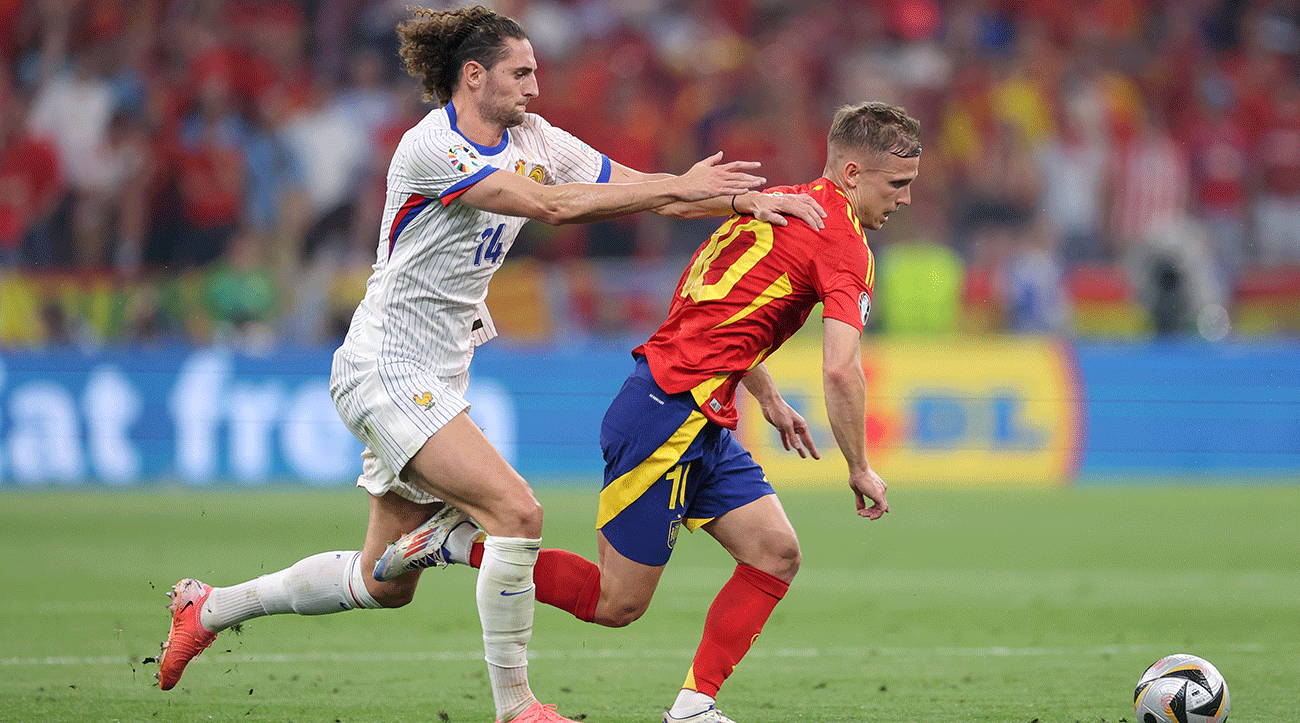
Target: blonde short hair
[876, 127]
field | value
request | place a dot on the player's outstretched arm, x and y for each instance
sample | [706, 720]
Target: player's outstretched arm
[776, 209]
[846, 407]
[792, 426]
[514, 195]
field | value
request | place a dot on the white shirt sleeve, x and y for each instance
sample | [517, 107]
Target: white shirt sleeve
[441, 164]
[573, 160]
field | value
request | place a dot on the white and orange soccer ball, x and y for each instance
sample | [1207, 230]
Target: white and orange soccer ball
[1181, 688]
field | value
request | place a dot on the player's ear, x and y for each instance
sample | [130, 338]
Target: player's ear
[473, 74]
[852, 170]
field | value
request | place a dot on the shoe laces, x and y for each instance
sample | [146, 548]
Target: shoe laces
[433, 558]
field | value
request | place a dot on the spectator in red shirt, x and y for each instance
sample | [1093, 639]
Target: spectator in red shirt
[30, 181]
[210, 168]
[1277, 158]
[1219, 162]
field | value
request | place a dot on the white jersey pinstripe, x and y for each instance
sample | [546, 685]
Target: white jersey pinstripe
[435, 257]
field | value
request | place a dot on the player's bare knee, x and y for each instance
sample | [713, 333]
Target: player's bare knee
[521, 517]
[793, 561]
[530, 518]
[619, 615]
[782, 559]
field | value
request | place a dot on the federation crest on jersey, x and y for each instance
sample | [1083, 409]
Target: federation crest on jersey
[463, 159]
[535, 173]
[864, 306]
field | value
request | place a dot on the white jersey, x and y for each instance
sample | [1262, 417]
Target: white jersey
[424, 301]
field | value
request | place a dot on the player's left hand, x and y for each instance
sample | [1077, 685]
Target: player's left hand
[795, 434]
[866, 486]
[774, 208]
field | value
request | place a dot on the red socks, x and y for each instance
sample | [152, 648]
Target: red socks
[736, 617]
[734, 621]
[564, 580]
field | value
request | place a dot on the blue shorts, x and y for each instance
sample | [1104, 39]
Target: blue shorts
[666, 465]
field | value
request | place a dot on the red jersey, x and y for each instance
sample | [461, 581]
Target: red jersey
[749, 288]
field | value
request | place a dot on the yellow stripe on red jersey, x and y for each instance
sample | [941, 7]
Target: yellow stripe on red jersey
[748, 288]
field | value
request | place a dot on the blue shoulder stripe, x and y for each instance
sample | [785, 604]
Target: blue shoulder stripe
[466, 182]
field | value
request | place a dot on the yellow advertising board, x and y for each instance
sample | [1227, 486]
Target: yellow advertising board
[955, 412]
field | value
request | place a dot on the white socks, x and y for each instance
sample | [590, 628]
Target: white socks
[690, 702]
[506, 596]
[330, 582]
[460, 542]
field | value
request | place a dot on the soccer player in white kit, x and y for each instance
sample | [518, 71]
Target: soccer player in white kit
[461, 184]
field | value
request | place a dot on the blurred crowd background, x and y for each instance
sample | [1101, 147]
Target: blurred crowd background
[212, 170]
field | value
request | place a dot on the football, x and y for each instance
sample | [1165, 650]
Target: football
[1181, 688]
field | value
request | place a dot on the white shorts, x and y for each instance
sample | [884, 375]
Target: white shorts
[393, 407]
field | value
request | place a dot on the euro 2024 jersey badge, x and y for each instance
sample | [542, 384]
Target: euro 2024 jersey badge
[463, 159]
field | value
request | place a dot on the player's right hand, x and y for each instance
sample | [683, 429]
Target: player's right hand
[710, 178]
[795, 434]
[868, 486]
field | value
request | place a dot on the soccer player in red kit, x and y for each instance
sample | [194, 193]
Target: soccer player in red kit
[670, 456]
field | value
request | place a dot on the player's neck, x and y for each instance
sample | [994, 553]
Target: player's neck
[471, 124]
[850, 191]
[835, 178]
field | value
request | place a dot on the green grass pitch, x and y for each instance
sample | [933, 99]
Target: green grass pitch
[959, 605]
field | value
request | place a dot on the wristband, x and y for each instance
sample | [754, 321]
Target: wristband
[733, 205]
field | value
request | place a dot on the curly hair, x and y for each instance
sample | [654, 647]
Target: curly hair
[436, 44]
[877, 127]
